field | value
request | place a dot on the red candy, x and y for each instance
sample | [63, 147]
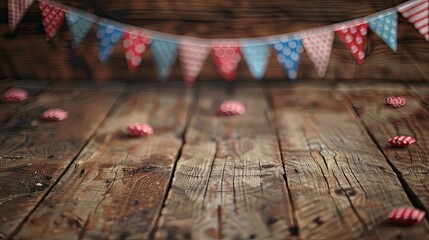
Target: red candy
[139, 130]
[15, 95]
[54, 114]
[231, 107]
[406, 216]
[395, 101]
[402, 141]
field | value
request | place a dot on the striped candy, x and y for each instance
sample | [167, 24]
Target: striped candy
[395, 101]
[230, 108]
[406, 216]
[15, 95]
[54, 114]
[402, 141]
[139, 130]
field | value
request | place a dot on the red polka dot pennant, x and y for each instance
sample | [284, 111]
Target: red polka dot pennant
[227, 56]
[52, 17]
[318, 48]
[135, 43]
[16, 9]
[192, 57]
[354, 37]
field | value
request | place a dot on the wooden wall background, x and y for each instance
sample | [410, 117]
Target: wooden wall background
[26, 54]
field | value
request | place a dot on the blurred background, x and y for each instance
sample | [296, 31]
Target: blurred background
[25, 54]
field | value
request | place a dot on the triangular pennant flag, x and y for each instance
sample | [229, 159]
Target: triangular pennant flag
[192, 56]
[52, 17]
[355, 38]
[164, 53]
[16, 10]
[256, 56]
[418, 15]
[386, 27]
[135, 43]
[318, 48]
[79, 26]
[109, 35]
[227, 56]
[289, 55]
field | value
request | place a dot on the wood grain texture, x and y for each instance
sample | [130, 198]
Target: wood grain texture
[220, 19]
[383, 123]
[116, 187]
[229, 180]
[33, 157]
[341, 185]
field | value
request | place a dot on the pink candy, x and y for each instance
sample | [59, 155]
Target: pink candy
[230, 108]
[395, 101]
[15, 95]
[401, 141]
[139, 130]
[54, 114]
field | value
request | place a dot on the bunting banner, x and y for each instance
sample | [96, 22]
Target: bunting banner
[109, 35]
[354, 37]
[289, 55]
[386, 27]
[227, 56]
[192, 56]
[227, 53]
[16, 10]
[319, 48]
[417, 14]
[79, 26]
[256, 57]
[52, 18]
[135, 43]
[164, 53]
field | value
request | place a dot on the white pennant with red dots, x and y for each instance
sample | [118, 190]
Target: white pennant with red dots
[135, 43]
[192, 56]
[227, 56]
[16, 10]
[354, 37]
[319, 48]
[52, 17]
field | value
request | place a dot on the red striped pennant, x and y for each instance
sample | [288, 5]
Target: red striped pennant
[417, 14]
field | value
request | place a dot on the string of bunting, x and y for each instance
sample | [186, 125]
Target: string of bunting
[227, 53]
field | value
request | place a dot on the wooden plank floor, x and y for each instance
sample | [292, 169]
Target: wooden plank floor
[306, 161]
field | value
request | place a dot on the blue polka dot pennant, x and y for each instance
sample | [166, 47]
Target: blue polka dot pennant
[256, 57]
[165, 54]
[289, 54]
[108, 35]
[79, 26]
[385, 26]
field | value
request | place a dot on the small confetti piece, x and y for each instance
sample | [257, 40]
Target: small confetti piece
[395, 101]
[39, 184]
[15, 95]
[54, 114]
[139, 130]
[406, 216]
[230, 108]
[401, 141]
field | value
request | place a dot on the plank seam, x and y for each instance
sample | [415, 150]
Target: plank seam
[191, 111]
[295, 229]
